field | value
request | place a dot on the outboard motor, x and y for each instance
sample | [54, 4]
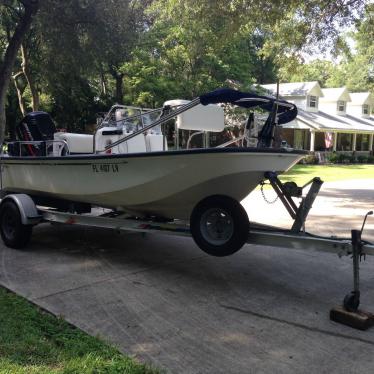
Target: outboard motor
[35, 126]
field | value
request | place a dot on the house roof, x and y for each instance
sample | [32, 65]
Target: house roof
[361, 98]
[295, 88]
[322, 121]
[335, 94]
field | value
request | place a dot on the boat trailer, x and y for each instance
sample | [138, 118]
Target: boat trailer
[296, 238]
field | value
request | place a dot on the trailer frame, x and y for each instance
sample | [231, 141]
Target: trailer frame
[295, 238]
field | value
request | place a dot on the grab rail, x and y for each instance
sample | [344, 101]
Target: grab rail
[160, 121]
[46, 143]
[192, 136]
[231, 141]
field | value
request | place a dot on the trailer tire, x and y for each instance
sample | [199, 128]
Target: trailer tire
[219, 225]
[352, 301]
[13, 232]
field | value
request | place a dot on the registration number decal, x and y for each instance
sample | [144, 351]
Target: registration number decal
[105, 168]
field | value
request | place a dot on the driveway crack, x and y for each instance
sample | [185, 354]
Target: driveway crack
[295, 324]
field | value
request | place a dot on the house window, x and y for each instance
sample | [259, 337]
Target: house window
[366, 109]
[362, 142]
[341, 106]
[313, 101]
[344, 142]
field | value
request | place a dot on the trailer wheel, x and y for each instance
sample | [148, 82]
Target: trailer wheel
[352, 301]
[13, 232]
[219, 225]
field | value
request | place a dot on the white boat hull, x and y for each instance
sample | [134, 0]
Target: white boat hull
[167, 184]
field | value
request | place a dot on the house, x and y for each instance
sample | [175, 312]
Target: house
[361, 104]
[335, 100]
[331, 119]
[304, 94]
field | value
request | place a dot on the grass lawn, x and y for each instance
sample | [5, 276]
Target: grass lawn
[301, 174]
[32, 341]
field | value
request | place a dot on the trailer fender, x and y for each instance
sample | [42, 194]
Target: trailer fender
[26, 207]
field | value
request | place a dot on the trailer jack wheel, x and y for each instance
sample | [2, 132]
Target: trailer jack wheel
[352, 301]
[13, 232]
[219, 225]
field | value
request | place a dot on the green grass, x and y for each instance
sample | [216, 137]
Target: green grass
[301, 174]
[32, 341]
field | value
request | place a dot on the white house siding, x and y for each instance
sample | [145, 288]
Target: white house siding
[359, 99]
[355, 110]
[329, 107]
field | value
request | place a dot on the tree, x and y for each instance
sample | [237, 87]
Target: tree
[27, 10]
[191, 47]
[117, 38]
[317, 70]
[81, 55]
[356, 70]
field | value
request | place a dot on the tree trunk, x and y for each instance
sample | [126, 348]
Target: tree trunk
[103, 83]
[30, 81]
[20, 90]
[119, 88]
[31, 7]
[118, 77]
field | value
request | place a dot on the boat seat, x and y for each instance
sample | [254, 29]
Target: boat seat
[77, 143]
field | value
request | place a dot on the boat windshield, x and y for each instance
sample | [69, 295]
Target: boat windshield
[131, 119]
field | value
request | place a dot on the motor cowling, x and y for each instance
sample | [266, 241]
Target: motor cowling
[35, 126]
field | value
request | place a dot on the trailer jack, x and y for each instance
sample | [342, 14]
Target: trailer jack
[349, 314]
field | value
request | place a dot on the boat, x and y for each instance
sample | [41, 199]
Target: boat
[127, 165]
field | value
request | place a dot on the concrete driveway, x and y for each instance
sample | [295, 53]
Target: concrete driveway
[162, 300]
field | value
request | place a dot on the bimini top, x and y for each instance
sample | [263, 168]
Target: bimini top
[286, 112]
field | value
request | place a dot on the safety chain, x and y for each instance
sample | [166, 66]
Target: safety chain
[262, 184]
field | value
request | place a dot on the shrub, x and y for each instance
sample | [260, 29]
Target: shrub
[310, 160]
[352, 158]
[333, 158]
[362, 159]
[343, 158]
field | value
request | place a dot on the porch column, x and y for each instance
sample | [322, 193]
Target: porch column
[371, 136]
[335, 141]
[354, 142]
[312, 140]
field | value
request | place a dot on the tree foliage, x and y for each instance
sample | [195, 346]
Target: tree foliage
[355, 70]
[24, 10]
[80, 56]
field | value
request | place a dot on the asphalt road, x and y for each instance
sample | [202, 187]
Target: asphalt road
[162, 300]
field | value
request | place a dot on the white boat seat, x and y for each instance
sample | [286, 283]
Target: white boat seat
[200, 117]
[77, 143]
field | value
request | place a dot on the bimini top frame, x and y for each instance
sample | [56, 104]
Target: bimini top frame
[281, 112]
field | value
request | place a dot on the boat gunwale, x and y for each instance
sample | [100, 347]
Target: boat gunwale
[91, 156]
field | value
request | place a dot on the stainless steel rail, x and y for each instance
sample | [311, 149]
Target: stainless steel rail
[143, 112]
[40, 143]
[160, 121]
